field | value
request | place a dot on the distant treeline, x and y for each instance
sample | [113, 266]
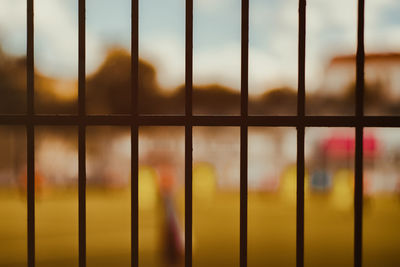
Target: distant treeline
[108, 92]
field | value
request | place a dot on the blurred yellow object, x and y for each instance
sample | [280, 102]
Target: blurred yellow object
[148, 191]
[204, 180]
[288, 186]
[342, 191]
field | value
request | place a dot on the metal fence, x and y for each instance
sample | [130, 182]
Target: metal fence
[135, 120]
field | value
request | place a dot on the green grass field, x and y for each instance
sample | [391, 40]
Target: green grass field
[271, 233]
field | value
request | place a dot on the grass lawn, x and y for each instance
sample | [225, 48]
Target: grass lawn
[271, 233]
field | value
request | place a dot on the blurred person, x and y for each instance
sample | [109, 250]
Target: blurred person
[174, 234]
[23, 182]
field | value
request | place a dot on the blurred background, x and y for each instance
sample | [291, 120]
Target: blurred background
[329, 183]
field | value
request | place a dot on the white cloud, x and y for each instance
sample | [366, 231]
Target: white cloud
[56, 36]
[219, 64]
[56, 40]
[168, 56]
[13, 26]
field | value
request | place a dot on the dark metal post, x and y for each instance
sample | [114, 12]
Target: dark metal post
[300, 135]
[188, 133]
[134, 134]
[358, 189]
[30, 133]
[244, 131]
[82, 133]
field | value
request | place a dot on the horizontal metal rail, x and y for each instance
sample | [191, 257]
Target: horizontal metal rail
[161, 120]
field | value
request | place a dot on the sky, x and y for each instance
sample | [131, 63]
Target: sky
[331, 31]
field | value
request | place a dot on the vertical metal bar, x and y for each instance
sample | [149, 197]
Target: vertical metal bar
[31, 194]
[30, 133]
[243, 195]
[244, 131]
[134, 197]
[134, 134]
[188, 195]
[188, 132]
[189, 60]
[300, 136]
[30, 58]
[301, 60]
[358, 198]
[82, 195]
[82, 133]
[358, 189]
[300, 198]
[360, 61]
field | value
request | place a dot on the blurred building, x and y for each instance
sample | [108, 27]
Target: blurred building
[382, 71]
